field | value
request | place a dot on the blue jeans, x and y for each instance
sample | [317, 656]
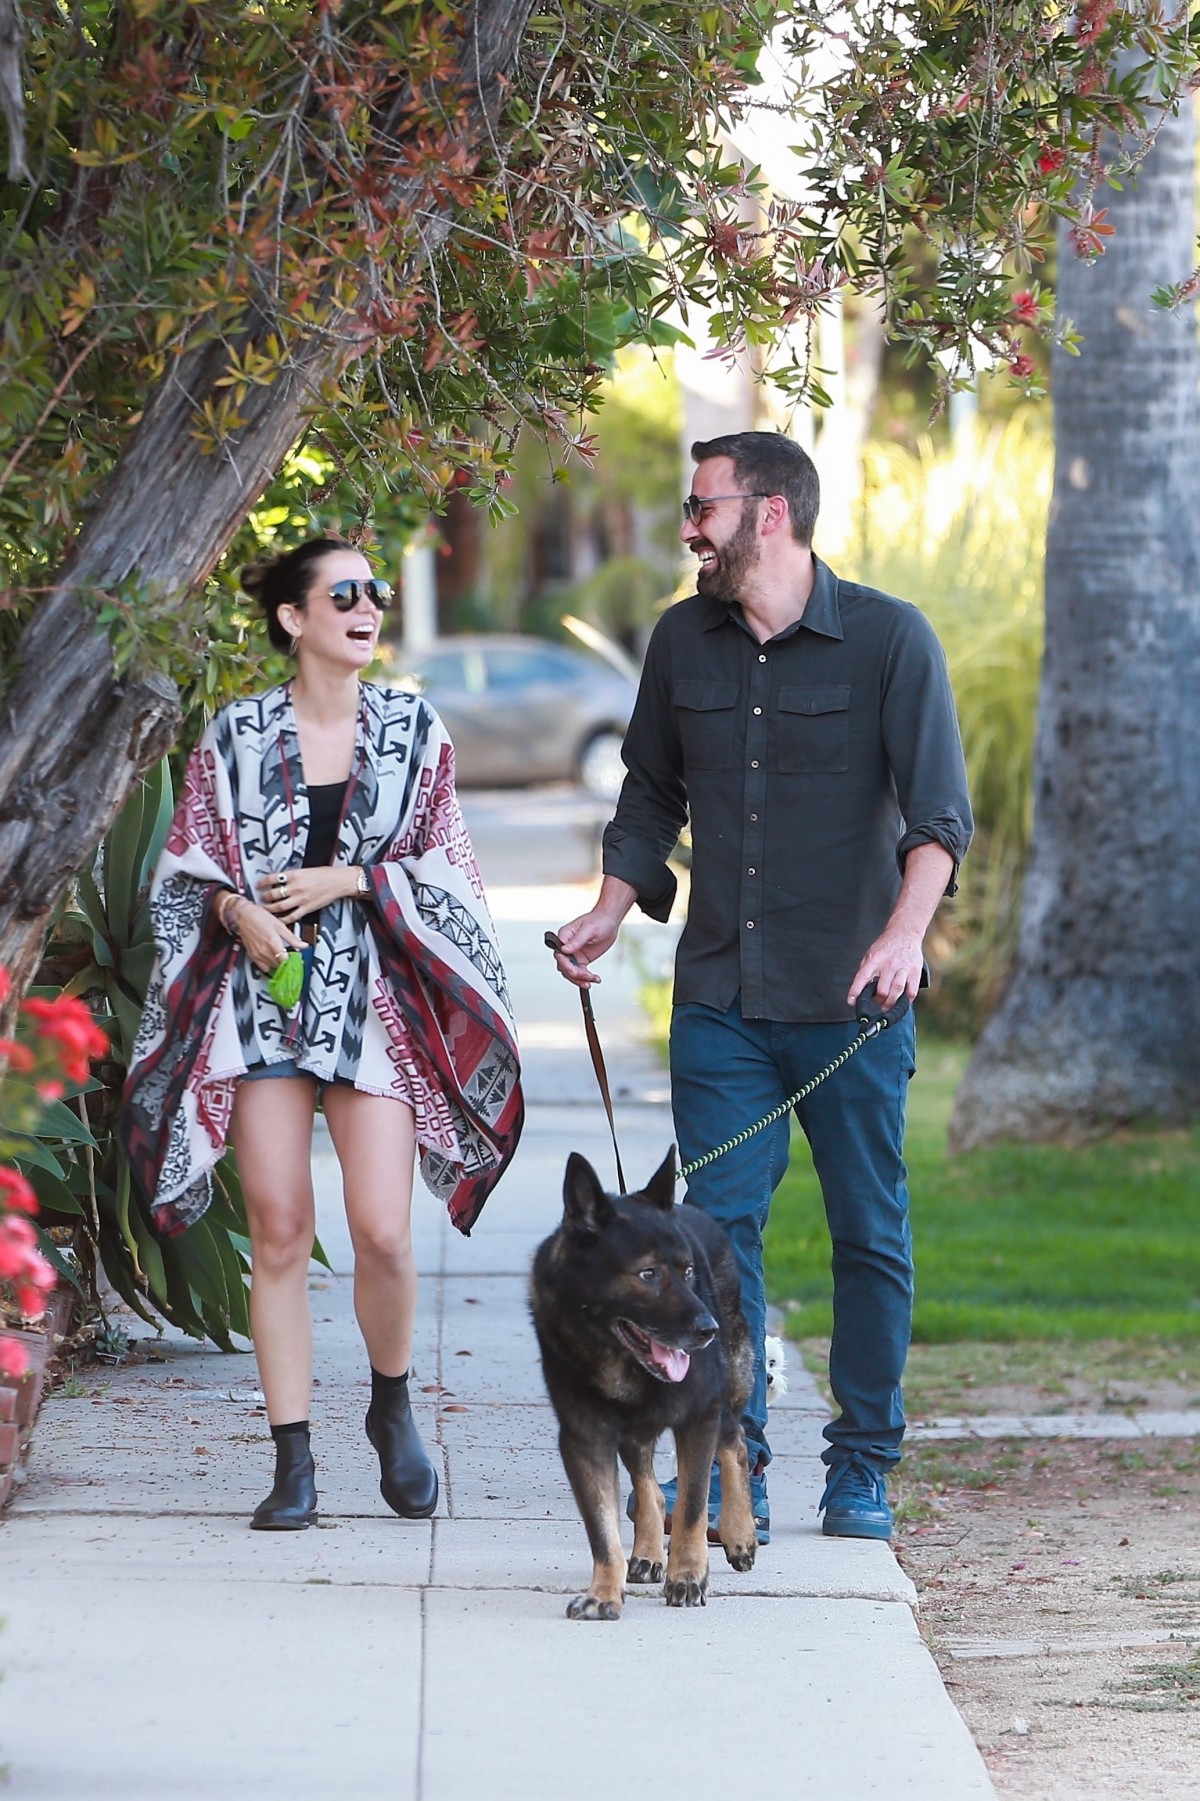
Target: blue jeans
[726, 1073]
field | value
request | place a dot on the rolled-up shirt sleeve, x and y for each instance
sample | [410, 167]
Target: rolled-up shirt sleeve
[652, 808]
[924, 745]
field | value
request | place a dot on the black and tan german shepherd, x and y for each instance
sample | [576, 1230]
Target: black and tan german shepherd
[635, 1304]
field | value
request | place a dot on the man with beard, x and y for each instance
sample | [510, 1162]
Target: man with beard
[807, 726]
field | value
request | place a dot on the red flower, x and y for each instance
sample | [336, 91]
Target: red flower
[69, 1025]
[5, 984]
[1050, 161]
[12, 1359]
[39, 1276]
[31, 1303]
[1022, 367]
[17, 1056]
[54, 1091]
[18, 1248]
[15, 1193]
[1025, 307]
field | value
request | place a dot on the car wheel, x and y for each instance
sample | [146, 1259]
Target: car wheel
[601, 770]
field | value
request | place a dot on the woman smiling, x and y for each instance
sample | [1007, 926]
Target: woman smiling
[319, 823]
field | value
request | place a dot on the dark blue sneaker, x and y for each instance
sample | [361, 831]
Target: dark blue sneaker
[855, 1502]
[758, 1503]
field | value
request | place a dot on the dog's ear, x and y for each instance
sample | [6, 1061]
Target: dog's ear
[586, 1207]
[660, 1189]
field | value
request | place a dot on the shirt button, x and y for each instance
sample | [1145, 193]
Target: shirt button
[752, 872]
[754, 762]
[762, 659]
[757, 711]
[754, 815]
[749, 925]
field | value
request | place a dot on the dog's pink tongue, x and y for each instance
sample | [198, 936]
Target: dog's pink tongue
[673, 1364]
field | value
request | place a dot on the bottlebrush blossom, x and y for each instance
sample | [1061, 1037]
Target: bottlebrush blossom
[16, 1196]
[18, 1246]
[67, 1022]
[12, 1359]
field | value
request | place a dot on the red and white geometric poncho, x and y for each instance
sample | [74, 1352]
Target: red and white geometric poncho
[406, 997]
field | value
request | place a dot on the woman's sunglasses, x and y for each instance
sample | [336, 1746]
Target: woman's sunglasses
[345, 595]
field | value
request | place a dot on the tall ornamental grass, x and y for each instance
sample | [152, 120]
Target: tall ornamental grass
[961, 531]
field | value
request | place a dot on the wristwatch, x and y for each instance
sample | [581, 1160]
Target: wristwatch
[364, 886]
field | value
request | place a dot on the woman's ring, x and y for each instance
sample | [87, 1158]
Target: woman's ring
[281, 883]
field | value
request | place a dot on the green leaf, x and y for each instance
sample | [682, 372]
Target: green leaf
[52, 1192]
[57, 1261]
[29, 1155]
[58, 1121]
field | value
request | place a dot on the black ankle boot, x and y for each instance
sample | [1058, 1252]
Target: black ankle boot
[408, 1481]
[292, 1503]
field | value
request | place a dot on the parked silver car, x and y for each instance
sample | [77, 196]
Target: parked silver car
[525, 710]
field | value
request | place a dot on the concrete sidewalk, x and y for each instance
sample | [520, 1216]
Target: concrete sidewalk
[156, 1648]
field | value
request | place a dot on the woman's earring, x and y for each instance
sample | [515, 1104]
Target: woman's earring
[294, 643]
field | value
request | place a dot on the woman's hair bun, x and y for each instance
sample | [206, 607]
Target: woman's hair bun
[284, 580]
[252, 578]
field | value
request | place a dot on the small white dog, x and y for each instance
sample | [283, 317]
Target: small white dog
[777, 1382]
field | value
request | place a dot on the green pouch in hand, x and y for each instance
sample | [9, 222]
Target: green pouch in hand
[286, 983]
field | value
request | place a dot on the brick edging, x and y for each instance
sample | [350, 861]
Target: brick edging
[20, 1401]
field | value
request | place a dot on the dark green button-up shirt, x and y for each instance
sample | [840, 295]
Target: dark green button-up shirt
[810, 766]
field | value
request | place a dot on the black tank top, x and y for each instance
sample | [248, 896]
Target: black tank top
[324, 810]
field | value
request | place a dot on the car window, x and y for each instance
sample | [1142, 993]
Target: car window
[519, 668]
[446, 672]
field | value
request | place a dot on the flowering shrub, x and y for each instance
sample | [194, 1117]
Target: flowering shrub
[58, 1049]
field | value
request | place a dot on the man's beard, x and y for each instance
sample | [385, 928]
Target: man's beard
[736, 560]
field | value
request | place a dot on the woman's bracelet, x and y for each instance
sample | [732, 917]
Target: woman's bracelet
[227, 912]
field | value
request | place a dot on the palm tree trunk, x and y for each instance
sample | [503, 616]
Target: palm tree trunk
[1100, 1024]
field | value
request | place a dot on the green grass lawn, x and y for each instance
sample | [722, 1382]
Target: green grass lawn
[1018, 1242]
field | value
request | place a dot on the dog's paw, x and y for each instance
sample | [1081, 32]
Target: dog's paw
[642, 1570]
[590, 1607]
[686, 1591]
[741, 1557]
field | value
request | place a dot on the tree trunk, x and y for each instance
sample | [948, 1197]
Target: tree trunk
[73, 736]
[1100, 1024]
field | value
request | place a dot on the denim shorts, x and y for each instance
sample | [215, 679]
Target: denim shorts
[262, 1072]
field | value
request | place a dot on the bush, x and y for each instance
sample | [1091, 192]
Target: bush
[961, 532]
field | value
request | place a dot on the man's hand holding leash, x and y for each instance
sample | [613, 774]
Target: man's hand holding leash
[895, 962]
[588, 937]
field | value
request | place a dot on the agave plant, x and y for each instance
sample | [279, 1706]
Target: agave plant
[102, 949]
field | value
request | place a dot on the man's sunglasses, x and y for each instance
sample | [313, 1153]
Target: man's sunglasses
[696, 505]
[345, 595]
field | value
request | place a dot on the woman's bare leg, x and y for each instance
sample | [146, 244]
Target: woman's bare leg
[375, 1141]
[271, 1132]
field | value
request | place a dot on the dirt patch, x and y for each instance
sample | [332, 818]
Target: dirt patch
[1060, 1593]
[1060, 1579]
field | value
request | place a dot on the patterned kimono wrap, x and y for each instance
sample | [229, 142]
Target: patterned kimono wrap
[406, 997]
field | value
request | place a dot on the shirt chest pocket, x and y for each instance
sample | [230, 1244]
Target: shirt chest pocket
[812, 731]
[705, 712]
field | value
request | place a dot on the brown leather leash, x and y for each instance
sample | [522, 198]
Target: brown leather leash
[554, 943]
[870, 1025]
